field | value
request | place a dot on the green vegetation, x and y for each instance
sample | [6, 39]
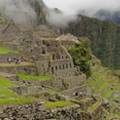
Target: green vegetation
[58, 104]
[81, 55]
[104, 36]
[25, 76]
[4, 51]
[105, 83]
[7, 96]
[15, 100]
[16, 65]
[81, 101]
[5, 82]
[94, 106]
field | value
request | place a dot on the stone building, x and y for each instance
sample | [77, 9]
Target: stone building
[53, 54]
[67, 40]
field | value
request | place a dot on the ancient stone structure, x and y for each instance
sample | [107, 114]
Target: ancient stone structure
[53, 56]
[42, 52]
[38, 112]
[48, 53]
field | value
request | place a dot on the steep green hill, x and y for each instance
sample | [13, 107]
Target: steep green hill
[102, 81]
[106, 84]
[104, 36]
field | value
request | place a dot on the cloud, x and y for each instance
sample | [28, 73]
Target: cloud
[24, 12]
[90, 7]
[59, 19]
[20, 11]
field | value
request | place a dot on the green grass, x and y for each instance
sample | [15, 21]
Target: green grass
[16, 65]
[4, 51]
[6, 92]
[58, 104]
[7, 96]
[105, 83]
[94, 106]
[15, 100]
[24, 76]
[5, 82]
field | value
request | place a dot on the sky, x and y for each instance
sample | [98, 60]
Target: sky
[73, 6]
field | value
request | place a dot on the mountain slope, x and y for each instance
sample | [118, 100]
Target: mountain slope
[102, 81]
[105, 83]
[104, 38]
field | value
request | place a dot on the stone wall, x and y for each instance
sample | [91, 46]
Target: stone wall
[38, 112]
[76, 92]
[10, 58]
[69, 82]
[15, 69]
[62, 68]
[72, 86]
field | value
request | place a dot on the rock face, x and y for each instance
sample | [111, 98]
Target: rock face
[41, 10]
[104, 38]
[25, 13]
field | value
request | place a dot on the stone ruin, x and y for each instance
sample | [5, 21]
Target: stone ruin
[48, 54]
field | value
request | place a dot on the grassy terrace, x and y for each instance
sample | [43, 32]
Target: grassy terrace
[7, 96]
[4, 51]
[104, 83]
[16, 65]
[24, 76]
[58, 104]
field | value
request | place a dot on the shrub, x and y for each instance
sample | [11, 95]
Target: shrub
[81, 55]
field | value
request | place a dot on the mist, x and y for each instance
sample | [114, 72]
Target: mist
[101, 9]
[19, 11]
[23, 13]
[59, 19]
[89, 6]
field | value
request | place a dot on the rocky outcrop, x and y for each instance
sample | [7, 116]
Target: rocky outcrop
[40, 9]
